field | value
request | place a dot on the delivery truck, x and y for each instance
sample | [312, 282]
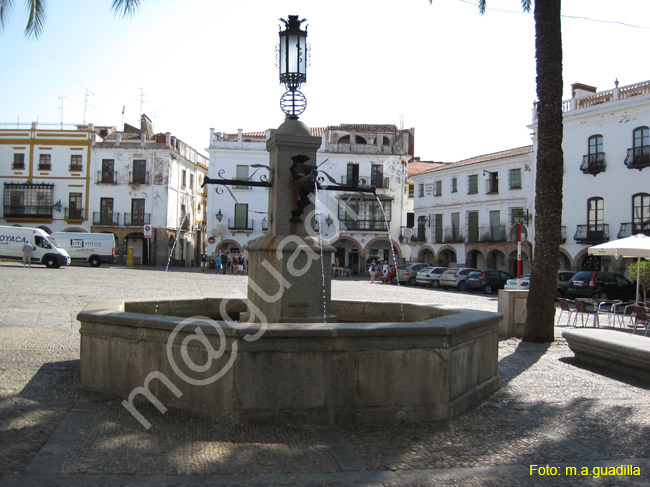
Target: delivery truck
[94, 248]
[46, 252]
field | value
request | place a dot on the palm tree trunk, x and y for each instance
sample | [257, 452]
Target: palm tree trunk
[540, 315]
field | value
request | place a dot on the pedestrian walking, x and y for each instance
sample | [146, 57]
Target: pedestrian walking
[373, 271]
[28, 250]
[204, 260]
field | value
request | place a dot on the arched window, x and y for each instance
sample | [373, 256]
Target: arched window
[638, 156]
[595, 147]
[641, 137]
[344, 140]
[360, 140]
[641, 213]
[595, 213]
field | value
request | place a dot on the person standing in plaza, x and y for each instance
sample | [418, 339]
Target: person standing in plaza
[28, 250]
[384, 272]
[224, 261]
[373, 271]
[204, 260]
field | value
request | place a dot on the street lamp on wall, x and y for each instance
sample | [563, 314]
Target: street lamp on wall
[329, 221]
[219, 215]
[293, 65]
[521, 217]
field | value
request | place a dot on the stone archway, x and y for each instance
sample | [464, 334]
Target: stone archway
[427, 255]
[349, 253]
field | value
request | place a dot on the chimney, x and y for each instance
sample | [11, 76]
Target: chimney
[578, 90]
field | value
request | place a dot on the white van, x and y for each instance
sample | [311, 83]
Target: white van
[12, 240]
[94, 248]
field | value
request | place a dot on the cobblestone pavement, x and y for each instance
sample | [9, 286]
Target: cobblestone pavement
[551, 411]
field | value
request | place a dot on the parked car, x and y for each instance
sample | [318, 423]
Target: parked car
[455, 278]
[430, 276]
[391, 275]
[563, 278]
[408, 273]
[488, 280]
[524, 283]
[601, 285]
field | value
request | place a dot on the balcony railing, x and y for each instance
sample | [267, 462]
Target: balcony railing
[138, 178]
[22, 211]
[240, 224]
[592, 234]
[106, 177]
[379, 183]
[137, 219]
[18, 165]
[628, 229]
[593, 163]
[367, 225]
[76, 167]
[453, 235]
[495, 233]
[74, 213]
[102, 218]
[638, 157]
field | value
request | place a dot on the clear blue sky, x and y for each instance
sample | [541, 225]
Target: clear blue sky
[466, 82]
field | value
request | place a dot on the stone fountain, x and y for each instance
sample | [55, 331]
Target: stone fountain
[289, 353]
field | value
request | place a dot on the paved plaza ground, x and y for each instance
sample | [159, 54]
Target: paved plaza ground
[551, 411]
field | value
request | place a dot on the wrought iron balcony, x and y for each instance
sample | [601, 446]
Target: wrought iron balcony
[453, 235]
[18, 165]
[377, 225]
[44, 166]
[22, 211]
[628, 229]
[240, 224]
[137, 219]
[593, 163]
[638, 157]
[106, 177]
[74, 213]
[76, 166]
[107, 219]
[139, 178]
[495, 233]
[592, 234]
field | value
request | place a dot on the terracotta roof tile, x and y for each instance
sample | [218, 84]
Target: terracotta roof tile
[483, 158]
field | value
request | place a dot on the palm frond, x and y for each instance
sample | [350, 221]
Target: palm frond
[6, 6]
[526, 4]
[125, 7]
[482, 5]
[36, 19]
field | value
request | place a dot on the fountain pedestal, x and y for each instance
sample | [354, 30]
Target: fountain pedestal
[289, 284]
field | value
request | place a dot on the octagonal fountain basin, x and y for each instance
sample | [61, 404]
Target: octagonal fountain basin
[386, 363]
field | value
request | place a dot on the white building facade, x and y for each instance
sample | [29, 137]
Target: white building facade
[465, 212]
[360, 226]
[147, 191]
[606, 189]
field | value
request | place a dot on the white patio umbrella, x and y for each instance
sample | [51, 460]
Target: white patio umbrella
[635, 246]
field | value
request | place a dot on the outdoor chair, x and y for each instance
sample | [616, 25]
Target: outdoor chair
[566, 307]
[607, 308]
[641, 318]
[622, 310]
[582, 310]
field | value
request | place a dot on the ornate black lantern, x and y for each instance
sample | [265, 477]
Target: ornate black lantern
[293, 65]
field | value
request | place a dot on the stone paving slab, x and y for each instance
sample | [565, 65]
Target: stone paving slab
[551, 409]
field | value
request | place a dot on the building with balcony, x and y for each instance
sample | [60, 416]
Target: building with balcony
[359, 226]
[149, 184]
[45, 172]
[465, 213]
[606, 156]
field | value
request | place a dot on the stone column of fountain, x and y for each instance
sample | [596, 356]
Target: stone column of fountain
[286, 282]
